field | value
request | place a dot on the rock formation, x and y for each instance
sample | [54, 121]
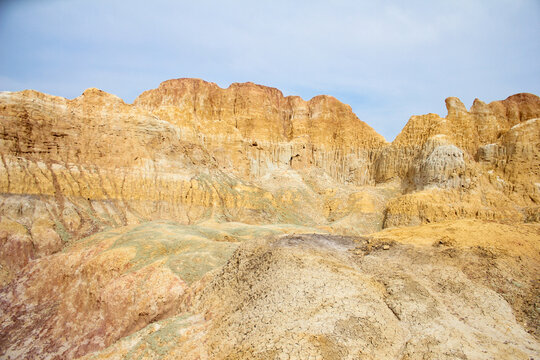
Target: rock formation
[124, 218]
[465, 165]
[247, 153]
[255, 129]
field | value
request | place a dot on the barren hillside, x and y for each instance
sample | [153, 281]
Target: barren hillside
[209, 223]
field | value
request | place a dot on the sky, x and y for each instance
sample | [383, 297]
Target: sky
[387, 59]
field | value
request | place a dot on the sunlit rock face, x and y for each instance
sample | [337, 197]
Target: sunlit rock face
[190, 150]
[255, 130]
[118, 225]
[481, 163]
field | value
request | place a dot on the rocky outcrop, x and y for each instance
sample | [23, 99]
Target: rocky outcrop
[254, 129]
[185, 151]
[189, 170]
[72, 167]
[488, 155]
[190, 150]
[483, 125]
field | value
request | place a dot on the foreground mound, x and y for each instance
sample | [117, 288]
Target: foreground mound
[111, 284]
[332, 297]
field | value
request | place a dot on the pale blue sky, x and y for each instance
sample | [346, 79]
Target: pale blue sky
[387, 59]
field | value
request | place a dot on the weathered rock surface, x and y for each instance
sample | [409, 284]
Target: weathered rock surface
[190, 150]
[483, 164]
[330, 297]
[111, 284]
[255, 129]
[246, 163]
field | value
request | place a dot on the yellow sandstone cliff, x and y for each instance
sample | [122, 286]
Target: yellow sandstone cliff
[483, 163]
[190, 150]
[201, 222]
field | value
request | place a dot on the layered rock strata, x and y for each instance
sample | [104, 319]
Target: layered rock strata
[255, 129]
[247, 164]
[190, 150]
[483, 163]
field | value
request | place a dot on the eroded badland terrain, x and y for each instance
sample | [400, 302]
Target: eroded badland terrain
[209, 223]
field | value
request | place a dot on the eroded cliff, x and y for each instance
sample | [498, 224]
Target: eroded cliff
[118, 224]
[190, 150]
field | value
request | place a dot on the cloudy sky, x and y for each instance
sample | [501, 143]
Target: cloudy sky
[387, 59]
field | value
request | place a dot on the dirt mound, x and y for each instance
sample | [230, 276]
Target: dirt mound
[111, 284]
[316, 296]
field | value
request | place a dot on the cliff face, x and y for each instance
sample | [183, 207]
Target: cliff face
[248, 164]
[485, 124]
[484, 162]
[254, 132]
[73, 167]
[190, 150]
[254, 129]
